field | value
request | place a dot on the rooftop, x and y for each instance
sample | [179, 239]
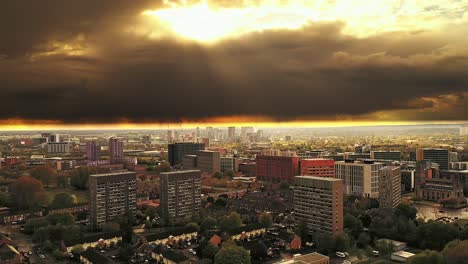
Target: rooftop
[178, 172]
[112, 174]
[404, 254]
[318, 178]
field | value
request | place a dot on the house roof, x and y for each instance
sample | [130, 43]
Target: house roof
[170, 254]
[93, 238]
[247, 228]
[94, 256]
[167, 234]
[216, 240]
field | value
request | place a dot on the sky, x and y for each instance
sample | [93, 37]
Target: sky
[158, 62]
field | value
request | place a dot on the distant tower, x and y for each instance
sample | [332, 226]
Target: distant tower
[93, 151]
[115, 149]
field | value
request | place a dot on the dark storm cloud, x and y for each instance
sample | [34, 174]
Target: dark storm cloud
[313, 73]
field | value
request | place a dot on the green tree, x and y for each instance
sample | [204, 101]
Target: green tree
[434, 235]
[65, 219]
[232, 254]
[194, 225]
[427, 256]
[230, 222]
[63, 200]
[196, 217]
[5, 199]
[353, 224]
[73, 233]
[364, 239]
[456, 252]
[59, 255]
[27, 192]
[464, 233]
[342, 242]
[126, 252]
[40, 235]
[325, 244]
[62, 181]
[34, 224]
[406, 210]
[209, 251]
[302, 230]
[151, 212]
[208, 223]
[80, 176]
[45, 174]
[265, 220]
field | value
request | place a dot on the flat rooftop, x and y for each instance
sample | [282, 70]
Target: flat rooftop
[112, 174]
[180, 171]
[318, 178]
[404, 254]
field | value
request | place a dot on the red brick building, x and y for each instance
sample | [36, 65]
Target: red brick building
[318, 167]
[277, 168]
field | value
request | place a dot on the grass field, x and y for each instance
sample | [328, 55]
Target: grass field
[82, 196]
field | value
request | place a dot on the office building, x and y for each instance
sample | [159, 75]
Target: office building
[318, 167]
[229, 164]
[437, 155]
[231, 133]
[115, 150]
[356, 156]
[209, 161]
[177, 151]
[360, 178]
[189, 162]
[460, 165]
[318, 201]
[386, 155]
[277, 168]
[407, 180]
[58, 147]
[54, 138]
[93, 151]
[390, 187]
[180, 194]
[112, 195]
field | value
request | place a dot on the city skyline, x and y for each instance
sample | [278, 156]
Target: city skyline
[326, 63]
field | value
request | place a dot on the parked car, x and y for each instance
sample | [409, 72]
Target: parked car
[375, 253]
[340, 254]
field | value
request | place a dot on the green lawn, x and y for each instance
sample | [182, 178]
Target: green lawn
[82, 196]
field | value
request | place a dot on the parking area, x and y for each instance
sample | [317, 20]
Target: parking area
[433, 211]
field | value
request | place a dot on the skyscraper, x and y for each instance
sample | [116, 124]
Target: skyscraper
[231, 133]
[177, 151]
[93, 151]
[111, 195]
[390, 187]
[359, 177]
[115, 149]
[180, 194]
[318, 202]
